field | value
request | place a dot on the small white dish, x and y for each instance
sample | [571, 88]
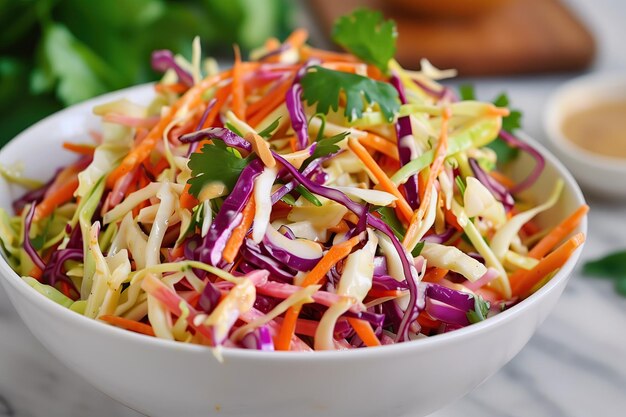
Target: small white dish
[600, 175]
[161, 378]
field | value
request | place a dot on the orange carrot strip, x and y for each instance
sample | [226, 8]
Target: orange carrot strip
[374, 293]
[559, 233]
[287, 328]
[259, 110]
[380, 175]
[127, 324]
[177, 88]
[309, 52]
[334, 255]
[79, 148]
[425, 320]
[435, 169]
[187, 200]
[502, 179]
[434, 274]
[36, 273]
[239, 233]
[239, 100]
[522, 283]
[61, 195]
[138, 154]
[297, 38]
[221, 96]
[381, 145]
[364, 330]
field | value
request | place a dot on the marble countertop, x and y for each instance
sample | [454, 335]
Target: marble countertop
[574, 366]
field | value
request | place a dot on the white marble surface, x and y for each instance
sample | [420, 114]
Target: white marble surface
[575, 366]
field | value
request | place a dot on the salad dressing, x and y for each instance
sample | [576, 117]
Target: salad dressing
[600, 129]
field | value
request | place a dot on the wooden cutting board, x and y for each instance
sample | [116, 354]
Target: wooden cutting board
[521, 36]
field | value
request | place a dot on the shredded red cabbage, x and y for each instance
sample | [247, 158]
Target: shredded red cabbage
[498, 190]
[163, 59]
[28, 246]
[539, 160]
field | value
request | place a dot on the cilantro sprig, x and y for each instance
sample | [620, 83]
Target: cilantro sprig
[323, 87]
[215, 163]
[368, 36]
[504, 152]
[480, 311]
[612, 267]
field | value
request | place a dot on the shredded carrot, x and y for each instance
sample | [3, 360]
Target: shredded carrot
[127, 324]
[259, 110]
[36, 273]
[435, 168]
[297, 38]
[364, 330]
[381, 145]
[140, 152]
[176, 88]
[341, 227]
[425, 320]
[382, 178]
[79, 148]
[307, 52]
[238, 100]
[374, 293]
[334, 255]
[288, 327]
[60, 196]
[177, 252]
[239, 233]
[451, 219]
[221, 95]
[435, 274]
[187, 200]
[502, 179]
[523, 282]
[559, 233]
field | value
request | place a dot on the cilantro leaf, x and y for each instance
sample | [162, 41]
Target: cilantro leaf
[612, 266]
[368, 36]
[418, 249]
[324, 86]
[326, 146]
[304, 192]
[214, 163]
[479, 313]
[514, 119]
[269, 131]
[467, 92]
[461, 184]
[388, 215]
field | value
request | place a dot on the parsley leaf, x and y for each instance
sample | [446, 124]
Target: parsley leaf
[613, 267]
[213, 163]
[269, 131]
[324, 86]
[479, 313]
[368, 36]
[325, 146]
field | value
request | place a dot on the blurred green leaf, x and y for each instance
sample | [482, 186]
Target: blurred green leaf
[12, 80]
[119, 14]
[80, 73]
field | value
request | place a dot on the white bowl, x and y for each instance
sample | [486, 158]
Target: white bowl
[163, 378]
[596, 173]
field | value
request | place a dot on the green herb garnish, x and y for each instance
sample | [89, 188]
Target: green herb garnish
[612, 267]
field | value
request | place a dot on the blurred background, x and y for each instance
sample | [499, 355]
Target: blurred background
[54, 53]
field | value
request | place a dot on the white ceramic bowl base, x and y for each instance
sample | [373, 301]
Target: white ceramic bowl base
[165, 379]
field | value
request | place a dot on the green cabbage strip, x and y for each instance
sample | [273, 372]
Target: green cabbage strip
[50, 292]
[477, 134]
[83, 215]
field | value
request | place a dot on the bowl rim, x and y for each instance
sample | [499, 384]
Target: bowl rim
[554, 114]
[9, 277]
